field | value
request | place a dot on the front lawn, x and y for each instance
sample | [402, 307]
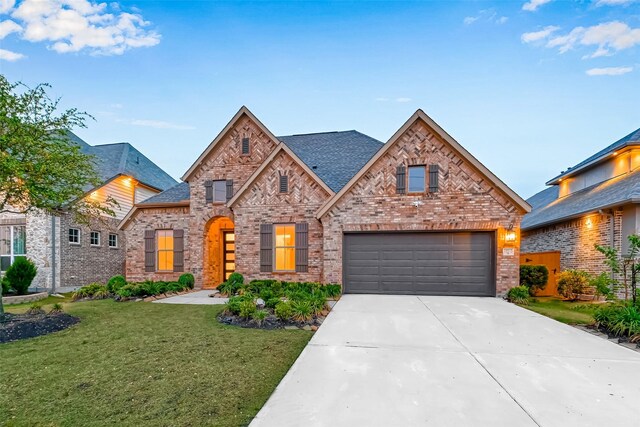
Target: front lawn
[143, 364]
[574, 313]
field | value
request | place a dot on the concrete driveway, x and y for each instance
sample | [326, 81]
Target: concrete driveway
[453, 361]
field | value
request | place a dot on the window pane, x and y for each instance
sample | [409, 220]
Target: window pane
[19, 240]
[5, 262]
[231, 256]
[285, 259]
[169, 260]
[230, 247]
[230, 237]
[219, 191]
[5, 240]
[416, 179]
[230, 266]
[285, 235]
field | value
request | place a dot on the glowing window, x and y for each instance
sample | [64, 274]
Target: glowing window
[164, 242]
[285, 247]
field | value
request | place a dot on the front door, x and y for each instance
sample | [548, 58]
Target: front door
[228, 253]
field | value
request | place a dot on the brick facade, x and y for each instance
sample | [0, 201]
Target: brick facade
[465, 201]
[575, 239]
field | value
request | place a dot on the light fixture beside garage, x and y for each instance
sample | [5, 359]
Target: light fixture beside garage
[510, 236]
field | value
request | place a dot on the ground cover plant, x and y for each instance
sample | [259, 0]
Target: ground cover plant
[274, 303]
[118, 288]
[143, 365]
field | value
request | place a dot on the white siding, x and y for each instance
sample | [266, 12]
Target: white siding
[121, 189]
[143, 193]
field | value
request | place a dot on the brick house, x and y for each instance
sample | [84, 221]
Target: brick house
[71, 255]
[418, 214]
[593, 202]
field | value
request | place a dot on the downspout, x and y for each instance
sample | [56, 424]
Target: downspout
[53, 254]
[612, 237]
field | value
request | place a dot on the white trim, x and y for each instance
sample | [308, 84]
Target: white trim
[79, 241]
[117, 245]
[99, 234]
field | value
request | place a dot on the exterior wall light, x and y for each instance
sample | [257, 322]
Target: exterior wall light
[589, 223]
[510, 236]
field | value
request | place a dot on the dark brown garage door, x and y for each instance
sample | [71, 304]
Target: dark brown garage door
[420, 263]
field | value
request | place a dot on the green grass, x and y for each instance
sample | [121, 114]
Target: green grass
[574, 313]
[143, 364]
[45, 303]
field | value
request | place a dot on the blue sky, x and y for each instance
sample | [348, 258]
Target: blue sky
[529, 88]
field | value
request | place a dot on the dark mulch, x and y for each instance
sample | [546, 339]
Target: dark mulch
[15, 327]
[270, 322]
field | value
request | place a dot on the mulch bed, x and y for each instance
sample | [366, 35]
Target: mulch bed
[15, 327]
[270, 322]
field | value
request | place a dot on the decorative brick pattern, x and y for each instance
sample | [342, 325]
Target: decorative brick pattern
[466, 201]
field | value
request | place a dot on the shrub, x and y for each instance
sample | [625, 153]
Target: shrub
[302, 310]
[519, 295]
[535, 277]
[34, 309]
[174, 287]
[187, 280]
[56, 308]
[604, 285]
[6, 286]
[619, 319]
[283, 310]
[127, 291]
[229, 288]
[318, 302]
[259, 316]
[101, 293]
[115, 283]
[236, 278]
[271, 302]
[247, 309]
[92, 290]
[332, 290]
[572, 282]
[20, 274]
[148, 288]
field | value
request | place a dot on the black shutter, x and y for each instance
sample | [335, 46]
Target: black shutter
[245, 145]
[266, 248]
[178, 250]
[149, 250]
[208, 191]
[229, 189]
[400, 180]
[302, 247]
[284, 184]
[433, 178]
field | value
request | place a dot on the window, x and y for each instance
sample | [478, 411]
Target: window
[113, 240]
[245, 146]
[284, 184]
[416, 179]
[74, 236]
[13, 244]
[164, 248]
[220, 191]
[94, 238]
[285, 247]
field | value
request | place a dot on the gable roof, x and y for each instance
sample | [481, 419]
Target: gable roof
[241, 112]
[113, 160]
[335, 157]
[421, 115]
[178, 194]
[266, 162]
[632, 139]
[549, 209]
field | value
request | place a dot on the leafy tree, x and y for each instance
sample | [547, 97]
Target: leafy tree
[41, 170]
[628, 265]
[535, 277]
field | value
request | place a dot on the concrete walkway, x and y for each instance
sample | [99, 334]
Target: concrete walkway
[198, 298]
[453, 361]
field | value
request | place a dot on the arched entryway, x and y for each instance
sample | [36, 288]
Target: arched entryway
[219, 251]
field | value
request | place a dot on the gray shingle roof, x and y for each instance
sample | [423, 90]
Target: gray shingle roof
[122, 158]
[177, 193]
[334, 156]
[632, 138]
[547, 208]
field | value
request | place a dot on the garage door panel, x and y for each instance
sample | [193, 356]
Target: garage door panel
[429, 263]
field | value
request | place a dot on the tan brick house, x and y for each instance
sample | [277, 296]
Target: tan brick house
[418, 214]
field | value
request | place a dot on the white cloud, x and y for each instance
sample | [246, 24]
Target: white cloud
[7, 27]
[470, 20]
[609, 71]
[158, 124]
[402, 100]
[539, 35]
[502, 20]
[488, 15]
[533, 5]
[7, 55]
[608, 38]
[6, 5]
[82, 25]
[614, 2]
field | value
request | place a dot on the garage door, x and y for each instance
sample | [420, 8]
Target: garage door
[420, 263]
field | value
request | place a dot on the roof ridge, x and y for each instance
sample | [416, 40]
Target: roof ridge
[112, 143]
[123, 159]
[319, 133]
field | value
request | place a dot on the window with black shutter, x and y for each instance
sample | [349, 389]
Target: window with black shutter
[433, 178]
[400, 180]
[266, 248]
[229, 189]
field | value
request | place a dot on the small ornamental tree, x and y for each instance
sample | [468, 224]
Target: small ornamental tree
[628, 265]
[20, 275]
[535, 277]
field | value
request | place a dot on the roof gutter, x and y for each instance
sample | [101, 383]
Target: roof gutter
[580, 214]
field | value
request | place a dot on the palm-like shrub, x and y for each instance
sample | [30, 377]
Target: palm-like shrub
[519, 295]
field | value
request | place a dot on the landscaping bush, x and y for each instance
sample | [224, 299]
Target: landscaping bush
[247, 309]
[271, 302]
[535, 277]
[6, 286]
[35, 309]
[283, 310]
[519, 295]
[571, 283]
[127, 291]
[56, 308]
[259, 316]
[229, 288]
[92, 290]
[302, 310]
[236, 278]
[604, 285]
[187, 280]
[115, 283]
[332, 290]
[619, 319]
[20, 275]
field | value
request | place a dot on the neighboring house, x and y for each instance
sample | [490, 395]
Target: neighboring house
[418, 214]
[68, 254]
[594, 202]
